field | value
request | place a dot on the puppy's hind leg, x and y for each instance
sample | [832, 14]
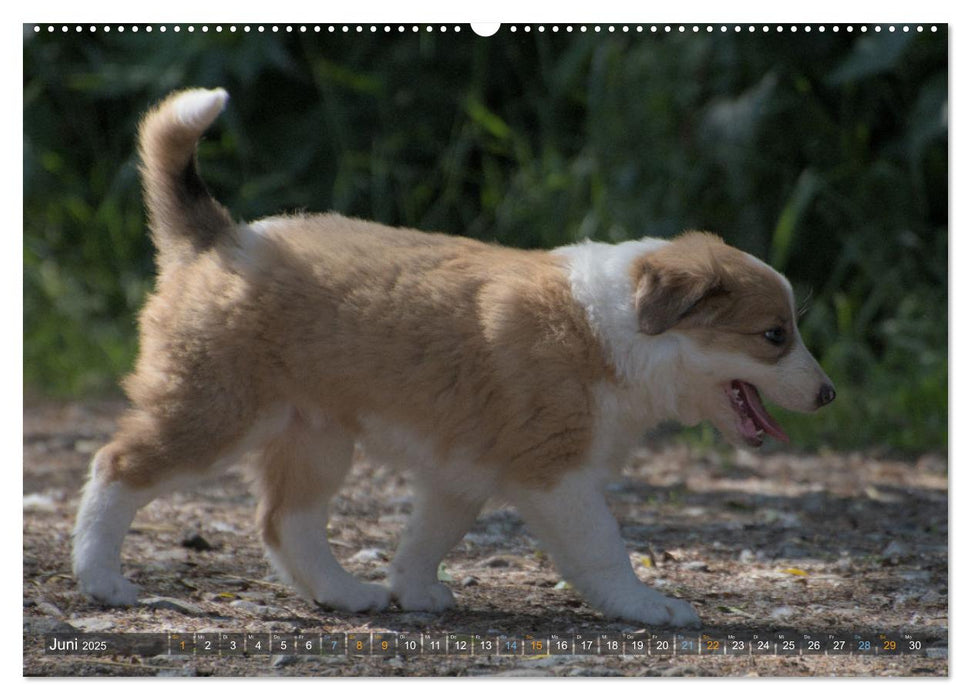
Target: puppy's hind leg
[297, 473]
[108, 506]
[148, 456]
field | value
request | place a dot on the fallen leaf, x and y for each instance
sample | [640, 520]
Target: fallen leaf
[733, 609]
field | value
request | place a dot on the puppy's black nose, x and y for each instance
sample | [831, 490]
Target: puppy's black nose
[826, 394]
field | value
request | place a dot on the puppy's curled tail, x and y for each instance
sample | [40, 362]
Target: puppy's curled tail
[184, 218]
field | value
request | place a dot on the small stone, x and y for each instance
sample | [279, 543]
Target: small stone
[49, 608]
[197, 542]
[915, 575]
[497, 562]
[678, 671]
[905, 597]
[932, 463]
[486, 539]
[895, 550]
[780, 518]
[182, 606]
[417, 617]
[470, 581]
[93, 624]
[181, 672]
[41, 626]
[695, 566]
[546, 661]
[281, 625]
[248, 606]
[258, 610]
[41, 502]
[368, 555]
[594, 671]
[844, 563]
[284, 660]
[782, 612]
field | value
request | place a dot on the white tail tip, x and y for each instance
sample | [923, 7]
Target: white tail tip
[197, 109]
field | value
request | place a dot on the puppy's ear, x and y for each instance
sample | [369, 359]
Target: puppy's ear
[675, 282]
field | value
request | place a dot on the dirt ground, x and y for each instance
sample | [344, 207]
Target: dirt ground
[762, 544]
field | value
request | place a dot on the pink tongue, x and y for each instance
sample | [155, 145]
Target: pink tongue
[751, 397]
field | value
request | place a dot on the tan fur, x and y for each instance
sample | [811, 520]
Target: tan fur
[480, 348]
[713, 293]
[287, 475]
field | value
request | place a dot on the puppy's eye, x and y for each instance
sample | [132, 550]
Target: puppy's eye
[775, 335]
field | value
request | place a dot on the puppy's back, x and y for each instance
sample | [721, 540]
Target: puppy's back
[479, 347]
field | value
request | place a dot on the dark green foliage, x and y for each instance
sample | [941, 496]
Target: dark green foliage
[825, 154]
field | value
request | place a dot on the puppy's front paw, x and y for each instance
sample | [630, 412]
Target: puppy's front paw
[652, 608]
[678, 613]
[355, 597]
[431, 598]
[109, 589]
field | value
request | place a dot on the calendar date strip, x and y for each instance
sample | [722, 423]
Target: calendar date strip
[349, 644]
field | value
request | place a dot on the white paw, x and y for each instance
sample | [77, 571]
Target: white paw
[356, 597]
[431, 598]
[109, 589]
[651, 608]
[680, 614]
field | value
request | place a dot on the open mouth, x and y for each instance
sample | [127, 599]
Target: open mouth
[753, 421]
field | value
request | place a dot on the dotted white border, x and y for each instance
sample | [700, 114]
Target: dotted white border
[513, 28]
